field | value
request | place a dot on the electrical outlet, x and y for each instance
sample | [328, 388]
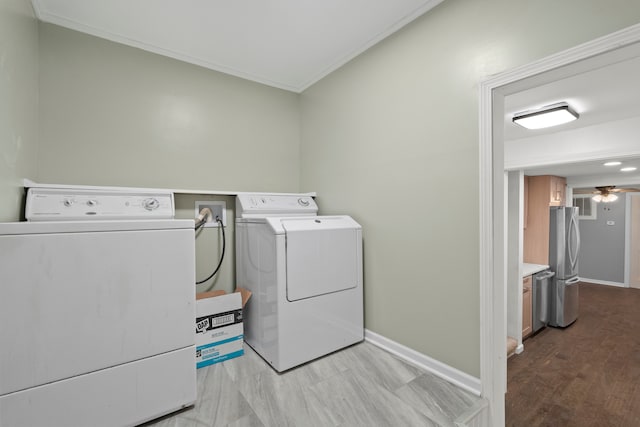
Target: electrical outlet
[219, 210]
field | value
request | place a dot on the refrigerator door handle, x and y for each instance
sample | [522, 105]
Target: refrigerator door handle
[544, 296]
[575, 221]
[546, 275]
[573, 256]
[572, 281]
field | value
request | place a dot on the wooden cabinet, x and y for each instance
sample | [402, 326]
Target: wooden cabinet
[542, 191]
[527, 319]
[557, 191]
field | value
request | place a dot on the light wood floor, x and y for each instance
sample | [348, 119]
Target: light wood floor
[585, 375]
[362, 385]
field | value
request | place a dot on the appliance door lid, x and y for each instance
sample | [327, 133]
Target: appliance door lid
[323, 256]
[83, 302]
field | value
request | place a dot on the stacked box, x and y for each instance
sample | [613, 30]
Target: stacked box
[219, 328]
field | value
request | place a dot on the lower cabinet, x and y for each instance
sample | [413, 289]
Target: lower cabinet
[527, 320]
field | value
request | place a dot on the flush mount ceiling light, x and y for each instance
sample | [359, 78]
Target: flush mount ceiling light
[551, 115]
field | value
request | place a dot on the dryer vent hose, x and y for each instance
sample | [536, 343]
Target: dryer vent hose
[202, 217]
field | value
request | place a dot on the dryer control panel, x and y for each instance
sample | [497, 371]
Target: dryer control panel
[264, 205]
[52, 204]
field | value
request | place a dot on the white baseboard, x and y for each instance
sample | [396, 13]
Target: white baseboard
[442, 370]
[603, 282]
[520, 348]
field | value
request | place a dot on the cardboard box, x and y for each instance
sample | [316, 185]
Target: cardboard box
[219, 329]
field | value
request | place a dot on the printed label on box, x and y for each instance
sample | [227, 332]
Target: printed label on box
[219, 351]
[219, 329]
[218, 320]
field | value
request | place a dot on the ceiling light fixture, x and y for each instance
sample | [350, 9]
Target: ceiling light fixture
[551, 115]
[628, 169]
[613, 163]
[606, 198]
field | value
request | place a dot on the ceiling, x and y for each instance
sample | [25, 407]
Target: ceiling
[604, 96]
[288, 44]
[598, 96]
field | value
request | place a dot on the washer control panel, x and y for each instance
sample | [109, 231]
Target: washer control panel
[53, 204]
[262, 205]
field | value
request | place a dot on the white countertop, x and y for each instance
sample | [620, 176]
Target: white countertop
[529, 269]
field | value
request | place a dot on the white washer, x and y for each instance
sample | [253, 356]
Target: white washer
[305, 275]
[97, 316]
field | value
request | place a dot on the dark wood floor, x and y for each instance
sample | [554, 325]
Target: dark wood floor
[585, 375]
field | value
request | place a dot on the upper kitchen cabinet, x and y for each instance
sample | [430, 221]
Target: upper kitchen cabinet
[557, 190]
[541, 192]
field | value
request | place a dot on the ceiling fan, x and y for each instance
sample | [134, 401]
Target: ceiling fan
[605, 193]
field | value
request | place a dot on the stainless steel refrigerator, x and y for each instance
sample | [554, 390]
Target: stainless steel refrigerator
[564, 247]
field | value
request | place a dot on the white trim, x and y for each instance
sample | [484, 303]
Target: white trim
[32, 184]
[37, 8]
[519, 349]
[442, 370]
[45, 16]
[627, 239]
[424, 8]
[486, 248]
[548, 158]
[603, 282]
[61, 21]
[492, 284]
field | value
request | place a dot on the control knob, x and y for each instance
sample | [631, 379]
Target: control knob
[151, 204]
[303, 202]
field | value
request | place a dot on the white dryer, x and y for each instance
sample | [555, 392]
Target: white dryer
[305, 275]
[97, 316]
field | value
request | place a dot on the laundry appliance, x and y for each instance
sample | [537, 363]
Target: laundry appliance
[305, 275]
[97, 307]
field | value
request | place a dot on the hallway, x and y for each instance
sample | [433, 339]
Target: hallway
[585, 375]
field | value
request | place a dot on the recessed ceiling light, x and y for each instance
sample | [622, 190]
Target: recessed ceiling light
[629, 169]
[613, 163]
[551, 115]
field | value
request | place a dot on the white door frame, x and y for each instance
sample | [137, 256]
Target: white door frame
[627, 239]
[493, 365]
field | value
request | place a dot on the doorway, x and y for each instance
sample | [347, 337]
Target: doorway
[493, 210]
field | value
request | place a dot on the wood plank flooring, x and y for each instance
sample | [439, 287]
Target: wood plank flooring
[585, 375]
[362, 385]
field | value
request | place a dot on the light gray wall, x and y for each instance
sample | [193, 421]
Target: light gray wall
[602, 246]
[116, 115]
[18, 103]
[392, 138]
